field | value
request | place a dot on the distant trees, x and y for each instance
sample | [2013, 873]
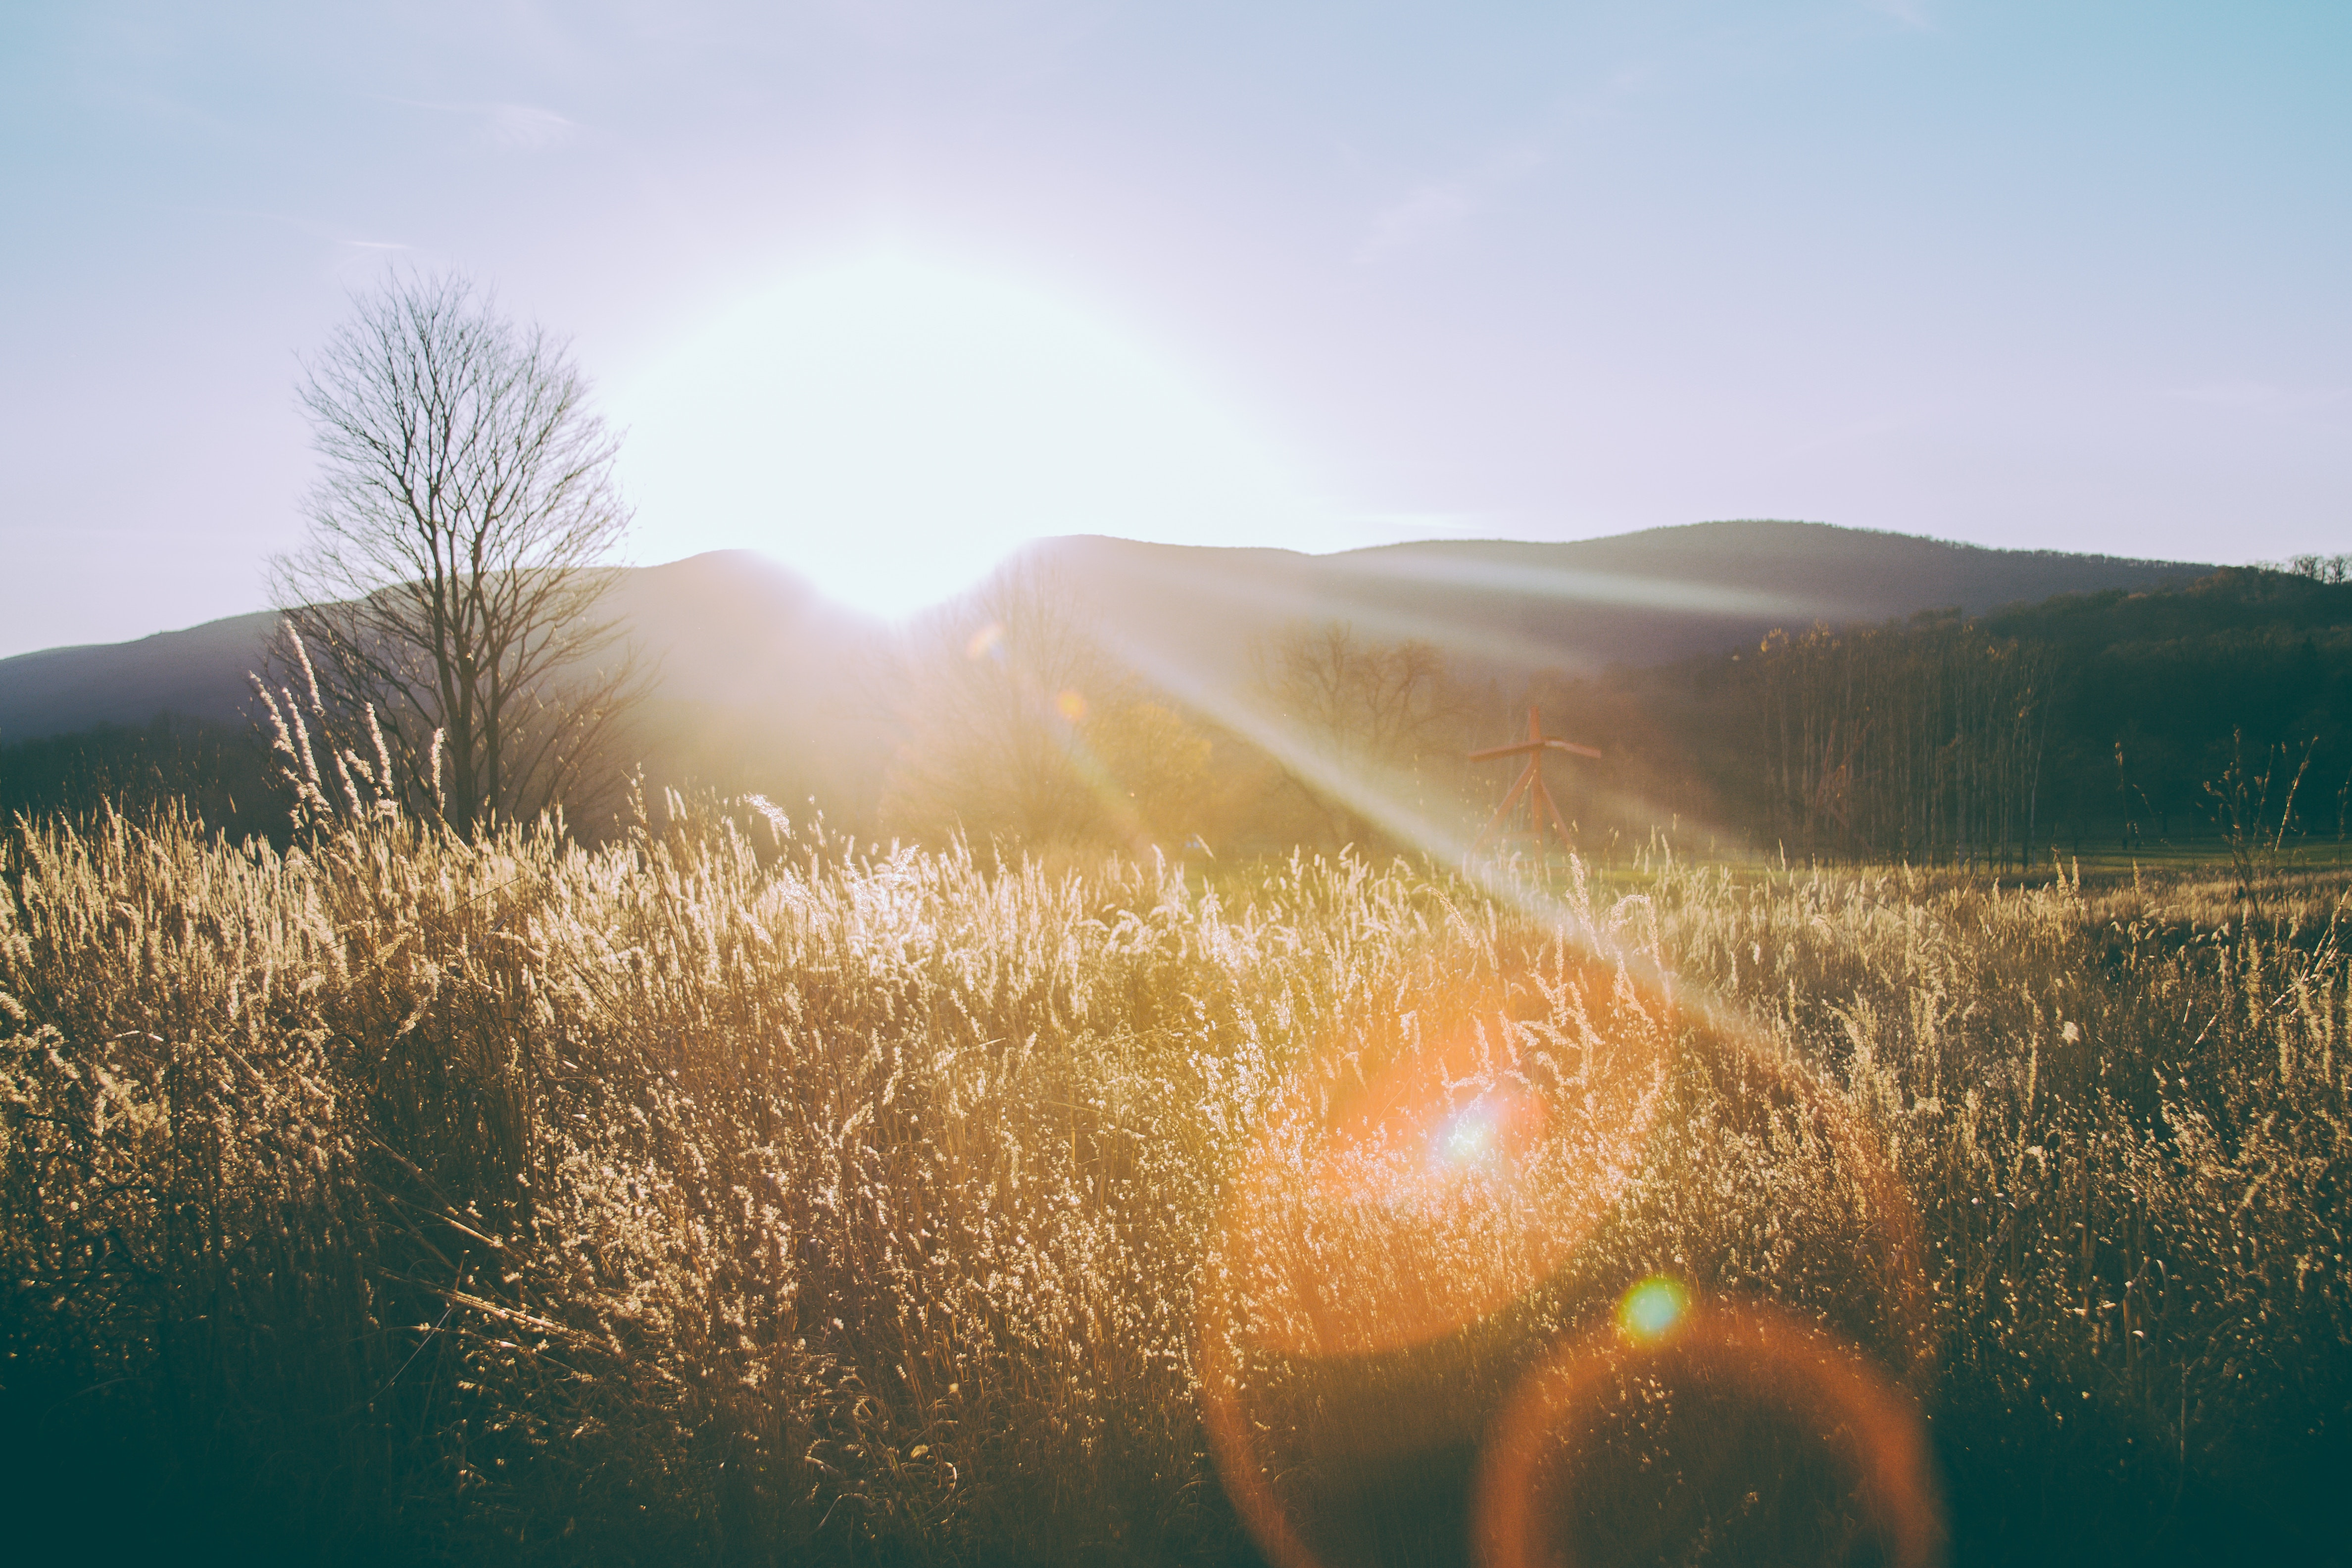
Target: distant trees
[1363, 714]
[1019, 727]
[1923, 742]
[2155, 685]
[2320, 568]
[215, 772]
[454, 587]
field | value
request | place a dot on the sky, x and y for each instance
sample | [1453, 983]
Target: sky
[881, 287]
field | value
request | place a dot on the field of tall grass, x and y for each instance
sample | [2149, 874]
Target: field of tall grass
[730, 1194]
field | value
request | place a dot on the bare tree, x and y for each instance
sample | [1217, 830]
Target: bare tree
[1923, 740]
[454, 587]
[1019, 727]
[990, 691]
[1362, 709]
[2318, 568]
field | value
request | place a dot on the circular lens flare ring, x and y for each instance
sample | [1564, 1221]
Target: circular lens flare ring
[1389, 1212]
[1233, 1445]
[1422, 1144]
[1757, 1350]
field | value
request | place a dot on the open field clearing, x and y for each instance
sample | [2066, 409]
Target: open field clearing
[1568, 786]
[722, 1196]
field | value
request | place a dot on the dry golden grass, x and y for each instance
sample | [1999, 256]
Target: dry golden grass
[727, 1194]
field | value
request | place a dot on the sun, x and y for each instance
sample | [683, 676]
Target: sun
[892, 428]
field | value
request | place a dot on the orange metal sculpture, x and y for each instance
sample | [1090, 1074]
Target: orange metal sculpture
[1531, 781]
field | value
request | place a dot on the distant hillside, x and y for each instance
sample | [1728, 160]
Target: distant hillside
[194, 674]
[2118, 710]
[729, 628]
[1510, 609]
[757, 667]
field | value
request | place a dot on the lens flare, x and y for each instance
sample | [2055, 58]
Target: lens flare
[1470, 1135]
[1743, 1433]
[1410, 1220]
[1387, 1210]
[1652, 1310]
[1391, 1211]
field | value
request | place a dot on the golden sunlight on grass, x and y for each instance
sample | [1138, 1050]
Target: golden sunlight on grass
[726, 1193]
[1716, 1431]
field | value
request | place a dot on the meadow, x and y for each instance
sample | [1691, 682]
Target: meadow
[730, 1193]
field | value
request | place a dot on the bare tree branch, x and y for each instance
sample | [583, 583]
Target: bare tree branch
[456, 569]
[1360, 707]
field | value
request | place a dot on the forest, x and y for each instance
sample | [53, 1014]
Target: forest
[2153, 724]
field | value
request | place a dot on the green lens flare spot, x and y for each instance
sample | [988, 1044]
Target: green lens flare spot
[1651, 1311]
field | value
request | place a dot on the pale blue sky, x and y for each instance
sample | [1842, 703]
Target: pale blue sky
[2027, 274]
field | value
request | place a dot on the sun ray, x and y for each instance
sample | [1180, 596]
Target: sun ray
[895, 427]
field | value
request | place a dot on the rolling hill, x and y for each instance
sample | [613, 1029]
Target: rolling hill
[748, 645]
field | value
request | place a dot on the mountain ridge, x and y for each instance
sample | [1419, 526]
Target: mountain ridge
[737, 630]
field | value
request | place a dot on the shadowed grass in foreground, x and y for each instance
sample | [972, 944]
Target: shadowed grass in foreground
[722, 1196]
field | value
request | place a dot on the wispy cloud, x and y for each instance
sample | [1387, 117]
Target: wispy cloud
[348, 251]
[2261, 394]
[1910, 13]
[1437, 206]
[901, 25]
[515, 127]
[527, 129]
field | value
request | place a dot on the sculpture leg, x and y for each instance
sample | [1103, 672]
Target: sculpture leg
[1503, 810]
[1557, 821]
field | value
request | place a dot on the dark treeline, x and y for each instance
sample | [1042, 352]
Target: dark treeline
[2107, 720]
[2161, 693]
[1924, 741]
[221, 773]
[2086, 722]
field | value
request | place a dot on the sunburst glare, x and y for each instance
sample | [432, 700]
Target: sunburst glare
[894, 427]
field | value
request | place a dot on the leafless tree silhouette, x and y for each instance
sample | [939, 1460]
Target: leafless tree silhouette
[457, 574]
[1360, 707]
[992, 691]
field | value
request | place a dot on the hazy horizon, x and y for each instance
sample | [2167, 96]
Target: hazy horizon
[768, 558]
